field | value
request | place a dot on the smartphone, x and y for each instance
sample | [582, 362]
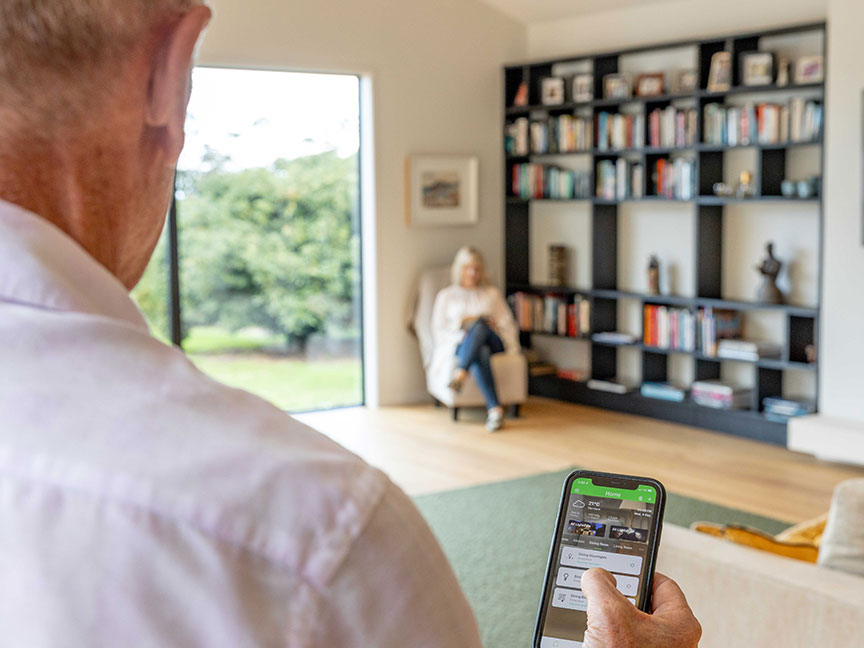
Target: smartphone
[608, 521]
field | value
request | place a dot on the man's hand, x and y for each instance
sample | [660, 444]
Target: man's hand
[614, 622]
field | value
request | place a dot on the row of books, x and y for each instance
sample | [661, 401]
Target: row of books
[798, 121]
[620, 180]
[548, 181]
[619, 131]
[713, 325]
[551, 314]
[562, 134]
[672, 127]
[669, 328]
[674, 178]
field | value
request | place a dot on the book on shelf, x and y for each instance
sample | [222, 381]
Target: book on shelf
[782, 409]
[749, 350]
[672, 127]
[612, 386]
[619, 180]
[614, 337]
[718, 394]
[560, 134]
[669, 328]
[674, 178]
[538, 181]
[714, 324]
[799, 120]
[663, 391]
[551, 313]
[516, 137]
[616, 131]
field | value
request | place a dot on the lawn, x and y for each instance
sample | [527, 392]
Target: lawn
[290, 384]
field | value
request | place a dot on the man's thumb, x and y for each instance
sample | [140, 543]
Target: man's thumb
[600, 588]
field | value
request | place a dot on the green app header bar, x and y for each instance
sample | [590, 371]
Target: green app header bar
[585, 486]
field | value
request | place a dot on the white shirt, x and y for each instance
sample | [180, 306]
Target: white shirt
[454, 303]
[144, 504]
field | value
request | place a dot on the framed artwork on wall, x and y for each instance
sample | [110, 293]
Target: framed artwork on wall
[442, 190]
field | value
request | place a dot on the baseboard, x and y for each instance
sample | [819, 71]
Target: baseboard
[828, 438]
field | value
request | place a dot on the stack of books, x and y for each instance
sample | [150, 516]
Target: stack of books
[674, 178]
[620, 180]
[612, 386]
[561, 134]
[719, 395]
[663, 391]
[539, 368]
[713, 325]
[747, 350]
[574, 375]
[617, 131]
[669, 328]
[782, 409]
[672, 127]
[551, 314]
[613, 337]
[798, 121]
[547, 181]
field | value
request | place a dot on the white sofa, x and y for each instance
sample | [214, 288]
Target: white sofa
[510, 370]
[746, 598]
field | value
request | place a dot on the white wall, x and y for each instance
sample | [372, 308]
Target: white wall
[665, 22]
[842, 344]
[436, 72]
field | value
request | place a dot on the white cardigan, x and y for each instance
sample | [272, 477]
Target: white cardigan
[455, 303]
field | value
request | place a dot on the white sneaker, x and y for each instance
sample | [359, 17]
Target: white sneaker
[494, 420]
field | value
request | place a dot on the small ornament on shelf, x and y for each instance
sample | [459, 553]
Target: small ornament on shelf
[769, 293]
[558, 262]
[521, 98]
[746, 188]
[654, 275]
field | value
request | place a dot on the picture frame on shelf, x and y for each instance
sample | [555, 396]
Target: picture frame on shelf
[686, 81]
[442, 190]
[810, 69]
[552, 91]
[617, 86]
[650, 85]
[583, 88]
[757, 68]
[720, 75]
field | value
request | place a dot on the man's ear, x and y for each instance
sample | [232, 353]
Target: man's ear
[170, 77]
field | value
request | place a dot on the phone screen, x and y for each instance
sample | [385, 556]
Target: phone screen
[600, 526]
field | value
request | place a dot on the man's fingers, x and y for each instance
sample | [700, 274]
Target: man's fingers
[667, 595]
[600, 588]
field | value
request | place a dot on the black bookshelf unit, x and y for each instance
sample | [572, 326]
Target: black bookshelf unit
[709, 217]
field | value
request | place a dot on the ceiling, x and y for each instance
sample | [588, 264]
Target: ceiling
[530, 11]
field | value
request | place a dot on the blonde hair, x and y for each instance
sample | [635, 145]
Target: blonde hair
[55, 55]
[464, 256]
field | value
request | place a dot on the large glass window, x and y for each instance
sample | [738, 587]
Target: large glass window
[269, 237]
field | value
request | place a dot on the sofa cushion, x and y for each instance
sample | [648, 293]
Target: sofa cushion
[843, 542]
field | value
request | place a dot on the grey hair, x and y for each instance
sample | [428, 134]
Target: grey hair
[464, 256]
[54, 54]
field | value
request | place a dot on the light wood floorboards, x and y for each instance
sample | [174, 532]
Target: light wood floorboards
[424, 451]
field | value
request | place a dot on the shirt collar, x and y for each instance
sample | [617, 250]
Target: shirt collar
[41, 266]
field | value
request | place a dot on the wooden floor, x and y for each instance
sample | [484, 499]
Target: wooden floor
[424, 451]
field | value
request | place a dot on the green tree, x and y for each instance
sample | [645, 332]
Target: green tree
[276, 247]
[151, 293]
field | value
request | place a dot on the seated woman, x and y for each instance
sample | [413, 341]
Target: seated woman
[471, 318]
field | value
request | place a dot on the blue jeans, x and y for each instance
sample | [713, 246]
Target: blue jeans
[474, 354]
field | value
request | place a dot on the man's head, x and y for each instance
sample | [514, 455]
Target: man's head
[93, 97]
